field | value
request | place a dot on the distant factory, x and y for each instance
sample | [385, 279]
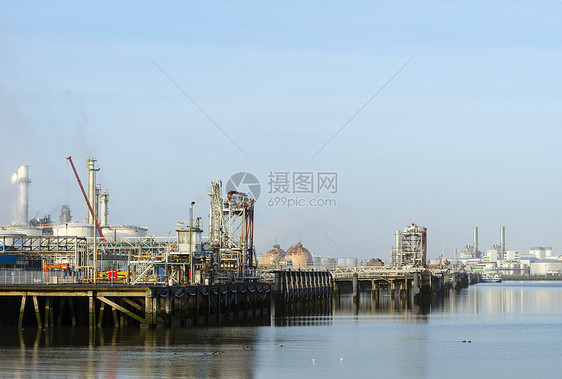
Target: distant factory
[497, 259]
[299, 256]
[44, 226]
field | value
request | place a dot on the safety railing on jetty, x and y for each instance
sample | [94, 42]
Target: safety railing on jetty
[22, 277]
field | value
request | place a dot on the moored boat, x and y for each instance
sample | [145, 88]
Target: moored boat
[491, 278]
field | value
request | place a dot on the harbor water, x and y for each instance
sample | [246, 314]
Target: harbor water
[510, 329]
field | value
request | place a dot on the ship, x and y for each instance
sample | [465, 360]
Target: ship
[491, 278]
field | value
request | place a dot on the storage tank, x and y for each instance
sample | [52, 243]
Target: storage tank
[351, 262]
[298, 255]
[73, 229]
[274, 256]
[329, 263]
[317, 261]
[118, 233]
[546, 267]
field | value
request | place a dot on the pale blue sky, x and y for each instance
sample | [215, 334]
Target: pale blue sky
[467, 134]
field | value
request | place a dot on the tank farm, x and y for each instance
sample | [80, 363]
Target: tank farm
[96, 275]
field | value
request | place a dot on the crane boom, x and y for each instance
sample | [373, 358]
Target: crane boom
[87, 201]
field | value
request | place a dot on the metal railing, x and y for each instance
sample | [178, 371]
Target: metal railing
[22, 277]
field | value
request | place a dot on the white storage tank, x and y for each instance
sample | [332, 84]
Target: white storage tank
[317, 261]
[329, 263]
[347, 262]
[118, 233]
[73, 229]
[546, 267]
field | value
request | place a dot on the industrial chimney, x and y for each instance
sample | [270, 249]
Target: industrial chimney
[22, 208]
[502, 240]
[475, 242]
[91, 162]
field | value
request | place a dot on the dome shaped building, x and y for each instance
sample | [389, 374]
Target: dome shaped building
[297, 255]
[274, 256]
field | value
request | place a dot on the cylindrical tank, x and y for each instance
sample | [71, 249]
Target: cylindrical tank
[540, 253]
[104, 199]
[24, 230]
[73, 229]
[548, 252]
[351, 262]
[118, 233]
[329, 263]
[546, 267]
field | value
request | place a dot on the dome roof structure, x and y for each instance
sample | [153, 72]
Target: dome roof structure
[298, 255]
[274, 255]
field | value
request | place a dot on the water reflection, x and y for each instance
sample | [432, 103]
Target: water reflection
[506, 298]
[193, 352]
[388, 338]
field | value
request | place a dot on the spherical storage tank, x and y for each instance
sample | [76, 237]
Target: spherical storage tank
[298, 255]
[274, 255]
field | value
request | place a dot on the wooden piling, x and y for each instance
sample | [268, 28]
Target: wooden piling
[37, 312]
[22, 311]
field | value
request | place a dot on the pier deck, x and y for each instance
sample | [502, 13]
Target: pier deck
[94, 306]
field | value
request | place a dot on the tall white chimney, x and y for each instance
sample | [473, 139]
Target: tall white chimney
[502, 239]
[22, 208]
[475, 242]
[91, 162]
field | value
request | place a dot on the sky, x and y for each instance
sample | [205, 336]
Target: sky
[442, 113]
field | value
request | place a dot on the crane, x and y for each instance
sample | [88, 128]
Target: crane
[87, 201]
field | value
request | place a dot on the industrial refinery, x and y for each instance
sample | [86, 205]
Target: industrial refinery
[89, 250]
[96, 251]
[498, 259]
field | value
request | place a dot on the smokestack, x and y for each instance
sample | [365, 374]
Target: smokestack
[22, 208]
[502, 239]
[475, 242]
[104, 199]
[91, 162]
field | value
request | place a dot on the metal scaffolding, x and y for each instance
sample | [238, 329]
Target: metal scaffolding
[411, 247]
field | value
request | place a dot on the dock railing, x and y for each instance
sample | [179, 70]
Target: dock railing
[21, 277]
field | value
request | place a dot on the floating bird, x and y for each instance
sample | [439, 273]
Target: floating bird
[341, 359]
[313, 360]
[469, 341]
[280, 345]
[463, 341]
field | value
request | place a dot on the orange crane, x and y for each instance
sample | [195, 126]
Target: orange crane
[87, 201]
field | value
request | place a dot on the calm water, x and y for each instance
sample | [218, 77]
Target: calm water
[515, 329]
